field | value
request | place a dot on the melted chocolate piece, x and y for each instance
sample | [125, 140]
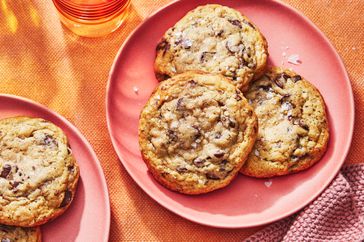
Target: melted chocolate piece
[67, 199]
[232, 124]
[172, 136]
[179, 104]
[217, 135]
[278, 81]
[70, 168]
[219, 34]
[265, 87]
[284, 99]
[248, 23]
[296, 158]
[220, 103]
[302, 124]
[219, 154]
[212, 175]
[243, 63]
[230, 49]
[162, 76]
[198, 132]
[177, 42]
[223, 162]
[296, 78]
[163, 45]
[14, 184]
[206, 56]
[186, 43]
[235, 22]
[49, 140]
[6, 170]
[199, 162]
[181, 169]
[298, 122]
[284, 76]
[237, 96]
[192, 83]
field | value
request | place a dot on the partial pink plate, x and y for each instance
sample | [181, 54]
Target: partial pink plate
[88, 218]
[247, 201]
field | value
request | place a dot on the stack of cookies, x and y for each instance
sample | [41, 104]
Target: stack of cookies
[200, 126]
[38, 177]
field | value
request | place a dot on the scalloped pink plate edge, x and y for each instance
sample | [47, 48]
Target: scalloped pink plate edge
[246, 202]
[88, 218]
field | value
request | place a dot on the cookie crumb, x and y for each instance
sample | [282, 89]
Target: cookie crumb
[136, 90]
[268, 183]
[294, 59]
[69, 150]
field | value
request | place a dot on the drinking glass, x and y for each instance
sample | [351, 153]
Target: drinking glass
[92, 18]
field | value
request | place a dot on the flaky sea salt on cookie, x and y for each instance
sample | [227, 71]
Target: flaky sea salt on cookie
[195, 132]
[293, 127]
[214, 39]
[38, 173]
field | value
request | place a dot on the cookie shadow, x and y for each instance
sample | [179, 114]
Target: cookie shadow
[244, 196]
[69, 222]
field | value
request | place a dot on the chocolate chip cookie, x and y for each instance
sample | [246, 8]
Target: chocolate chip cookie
[214, 39]
[195, 132]
[19, 234]
[38, 173]
[293, 127]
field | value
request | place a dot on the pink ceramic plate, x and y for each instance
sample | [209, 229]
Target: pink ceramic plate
[88, 218]
[247, 201]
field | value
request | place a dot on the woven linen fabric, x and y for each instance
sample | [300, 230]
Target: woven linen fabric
[336, 215]
[43, 61]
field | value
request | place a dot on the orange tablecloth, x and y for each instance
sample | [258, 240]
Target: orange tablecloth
[41, 60]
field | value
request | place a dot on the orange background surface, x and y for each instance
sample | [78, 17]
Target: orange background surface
[43, 61]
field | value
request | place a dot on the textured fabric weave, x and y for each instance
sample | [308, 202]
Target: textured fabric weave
[336, 215]
[43, 61]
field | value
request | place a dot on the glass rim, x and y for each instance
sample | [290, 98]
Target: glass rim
[81, 15]
[95, 6]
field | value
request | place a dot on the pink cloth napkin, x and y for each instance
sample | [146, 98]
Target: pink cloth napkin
[336, 215]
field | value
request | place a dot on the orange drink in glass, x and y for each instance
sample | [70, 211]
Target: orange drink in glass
[92, 18]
